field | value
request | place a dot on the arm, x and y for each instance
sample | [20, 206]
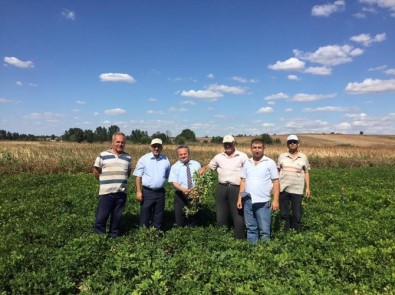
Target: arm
[177, 186]
[242, 190]
[139, 193]
[203, 169]
[307, 181]
[96, 172]
[276, 194]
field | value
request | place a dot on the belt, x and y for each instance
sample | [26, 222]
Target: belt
[228, 184]
[161, 189]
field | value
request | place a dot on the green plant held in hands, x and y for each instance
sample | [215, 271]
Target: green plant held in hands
[201, 191]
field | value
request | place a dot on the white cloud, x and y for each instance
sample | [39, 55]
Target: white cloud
[244, 80]
[366, 40]
[152, 112]
[116, 77]
[18, 63]
[177, 110]
[327, 9]
[379, 68]
[210, 76]
[344, 126]
[289, 109]
[359, 116]
[291, 64]
[8, 101]
[386, 4]
[203, 94]
[293, 78]
[151, 99]
[324, 71]
[265, 110]
[276, 96]
[329, 109]
[330, 55]
[80, 102]
[188, 102]
[68, 14]
[226, 89]
[370, 86]
[19, 83]
[44, 116]
[303, 97]
[115, 112]
[390, 71]
[96, 113]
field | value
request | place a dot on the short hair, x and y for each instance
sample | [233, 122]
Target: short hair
[118, 133]
[257, 140]
[183, 147]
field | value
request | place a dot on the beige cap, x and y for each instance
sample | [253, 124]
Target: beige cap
[156, 141]
[228, 138]
[292, 137]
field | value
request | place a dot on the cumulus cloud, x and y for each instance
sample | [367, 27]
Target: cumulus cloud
[323, 71]
[265, 110]
[226, 89]
[10, 60]
[243, 80]
[115, 112]
[276, 96]
[370, 86]
[8, 101]
[385, 4]
[177, 110]
[49, 116]
[293, 78]
[203, 94]
[329, 109]
[188, 102]
[80, 102]
[291, 64]
[366, 40]
[326, 10]
[68, 14]
[303, 97]
[330, 55]
[116, 77]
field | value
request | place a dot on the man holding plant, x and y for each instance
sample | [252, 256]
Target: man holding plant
[259, 179]
[112, 168]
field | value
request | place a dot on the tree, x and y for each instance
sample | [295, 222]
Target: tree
[111, 130]
[216, 139]
[164, 137]
[267, 139]
[138, 136]
[188, 134]
[101, 134]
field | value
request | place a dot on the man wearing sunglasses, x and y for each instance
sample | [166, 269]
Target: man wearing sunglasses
[294, 175]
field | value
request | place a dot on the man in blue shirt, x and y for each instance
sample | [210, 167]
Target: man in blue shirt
[259, 179]
[181, 176]
[152, 171]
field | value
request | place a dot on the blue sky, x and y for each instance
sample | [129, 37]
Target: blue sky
[214, 66]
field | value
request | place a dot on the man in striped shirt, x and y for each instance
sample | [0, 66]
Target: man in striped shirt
[112, 168]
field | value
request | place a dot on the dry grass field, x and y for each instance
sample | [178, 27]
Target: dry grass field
[330, 150]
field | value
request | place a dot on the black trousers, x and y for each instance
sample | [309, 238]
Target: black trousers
[180, 201]
[226, 209]
[292, 218]
[152, 208]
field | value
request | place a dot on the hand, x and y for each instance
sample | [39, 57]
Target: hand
[139, 196]
[275, 205]
[308, 193]
[239, 204]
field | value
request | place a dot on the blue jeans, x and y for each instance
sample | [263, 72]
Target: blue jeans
[109, 205]
[258, 217]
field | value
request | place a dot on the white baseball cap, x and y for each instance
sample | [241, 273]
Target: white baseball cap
[292, 137]
[156, 141]
[228, 138]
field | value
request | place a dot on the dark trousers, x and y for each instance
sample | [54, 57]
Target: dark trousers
[292, 219]
[227, 211]
[180, 201]
[152, 208]
[109, 205]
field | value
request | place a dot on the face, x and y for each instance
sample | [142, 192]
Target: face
[118, 143]
[229, 147]
[257, 150]
[183, 155]
[156, 149]
[292, 145]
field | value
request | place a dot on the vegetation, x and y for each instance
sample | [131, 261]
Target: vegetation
[346, 246]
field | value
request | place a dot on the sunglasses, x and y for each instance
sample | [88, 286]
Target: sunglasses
[292, 142]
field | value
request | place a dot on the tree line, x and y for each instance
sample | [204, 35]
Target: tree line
[103, 134]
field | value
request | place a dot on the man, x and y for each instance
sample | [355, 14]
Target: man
[294, 173]
[259, 180]
[181, 176]
[228, 165]
[152, 171]
[112, 168]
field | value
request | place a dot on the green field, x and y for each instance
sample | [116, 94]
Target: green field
[347, 245]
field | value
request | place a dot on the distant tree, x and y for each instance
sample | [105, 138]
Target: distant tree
[180, 140]
[267, 139]
[101, 134]
[277, 140]
[163, 136]
[188, 134]
[360, 132]
[89, 136]
[3, 134]
[138, 136]
[111, 130]
[216, 139]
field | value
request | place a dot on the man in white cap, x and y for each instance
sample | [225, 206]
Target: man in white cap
[228, 165]
[294, 174]
[152, 171]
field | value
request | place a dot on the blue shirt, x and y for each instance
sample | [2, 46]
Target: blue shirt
[178, 172]
[153, 171]
[259, 178]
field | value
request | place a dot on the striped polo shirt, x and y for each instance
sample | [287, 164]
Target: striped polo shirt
[114, 172]
[292, 172]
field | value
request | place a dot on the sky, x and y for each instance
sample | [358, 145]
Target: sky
[216, 67]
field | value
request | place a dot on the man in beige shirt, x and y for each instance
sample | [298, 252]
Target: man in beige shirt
[228, 165]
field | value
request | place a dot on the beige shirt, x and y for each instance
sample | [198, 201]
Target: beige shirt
[229, 167]
[292, 172]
